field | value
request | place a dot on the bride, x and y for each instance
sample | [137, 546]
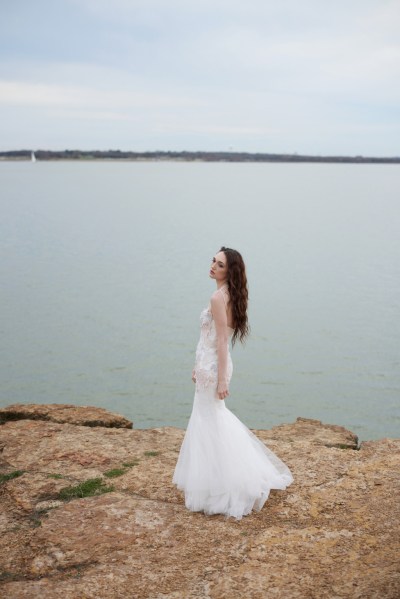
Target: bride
[223, 468]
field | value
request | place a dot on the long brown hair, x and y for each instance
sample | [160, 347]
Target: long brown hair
[238, 292]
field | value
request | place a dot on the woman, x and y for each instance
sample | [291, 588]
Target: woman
[222, 467]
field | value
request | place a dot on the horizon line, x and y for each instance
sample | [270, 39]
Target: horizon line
[204, 155]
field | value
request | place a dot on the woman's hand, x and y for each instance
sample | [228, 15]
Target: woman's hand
[222, 390]
[193, 375]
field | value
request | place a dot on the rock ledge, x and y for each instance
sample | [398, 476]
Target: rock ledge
[64, 413]
[334, 532]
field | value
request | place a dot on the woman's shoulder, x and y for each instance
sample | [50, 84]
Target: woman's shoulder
[219, 297]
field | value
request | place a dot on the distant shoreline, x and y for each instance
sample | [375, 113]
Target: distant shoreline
[115, 155]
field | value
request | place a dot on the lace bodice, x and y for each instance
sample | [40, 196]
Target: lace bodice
[206, 366]
[208, 333]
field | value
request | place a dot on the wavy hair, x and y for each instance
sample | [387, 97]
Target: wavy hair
[238, 292]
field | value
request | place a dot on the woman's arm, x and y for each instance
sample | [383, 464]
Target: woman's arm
[218, 310]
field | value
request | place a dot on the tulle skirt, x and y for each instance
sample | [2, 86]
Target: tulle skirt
[223, 468]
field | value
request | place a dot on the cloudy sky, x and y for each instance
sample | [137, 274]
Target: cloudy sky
[309, 76]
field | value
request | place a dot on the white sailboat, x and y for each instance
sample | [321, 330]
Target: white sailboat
[33, 157]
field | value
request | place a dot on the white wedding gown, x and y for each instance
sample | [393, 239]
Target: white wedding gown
[223, 468]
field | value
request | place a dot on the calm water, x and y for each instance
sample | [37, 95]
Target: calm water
[104, 271]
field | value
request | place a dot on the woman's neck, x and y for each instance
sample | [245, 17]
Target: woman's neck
[221, 285]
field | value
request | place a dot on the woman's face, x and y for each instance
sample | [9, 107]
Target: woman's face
[219, 267]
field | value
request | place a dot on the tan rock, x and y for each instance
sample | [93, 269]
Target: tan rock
[317, 433]
[333, 533]
[83, 415]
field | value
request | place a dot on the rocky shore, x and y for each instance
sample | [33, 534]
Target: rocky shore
[88, 511]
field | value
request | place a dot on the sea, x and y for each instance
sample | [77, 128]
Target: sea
[104, 273]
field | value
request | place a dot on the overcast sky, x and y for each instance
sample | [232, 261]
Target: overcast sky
[306, 76]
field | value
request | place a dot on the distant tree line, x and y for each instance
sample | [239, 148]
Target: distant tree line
[188, 156]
